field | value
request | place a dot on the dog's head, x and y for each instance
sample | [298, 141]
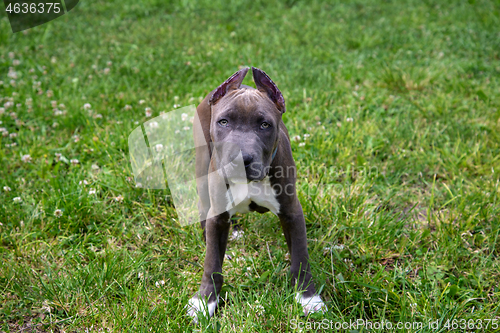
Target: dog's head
[246, 120]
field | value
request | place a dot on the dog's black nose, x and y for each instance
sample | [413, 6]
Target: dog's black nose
[247, 160]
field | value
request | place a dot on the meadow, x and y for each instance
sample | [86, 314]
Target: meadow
[394, 112]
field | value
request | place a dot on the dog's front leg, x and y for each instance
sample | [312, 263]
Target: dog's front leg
[206, 300]
[294, 229]
[216, 231]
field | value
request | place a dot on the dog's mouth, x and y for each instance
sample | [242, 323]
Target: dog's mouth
[239, 173]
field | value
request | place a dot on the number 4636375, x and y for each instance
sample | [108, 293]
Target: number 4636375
[33, 8]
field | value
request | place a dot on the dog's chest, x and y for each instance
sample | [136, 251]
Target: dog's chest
[255, 196]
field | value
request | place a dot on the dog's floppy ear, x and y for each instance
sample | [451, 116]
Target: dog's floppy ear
[265, 84]
[233, 83]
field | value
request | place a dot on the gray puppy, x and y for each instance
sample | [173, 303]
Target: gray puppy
[243, 145]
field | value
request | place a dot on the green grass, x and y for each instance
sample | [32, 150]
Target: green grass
[399, 178]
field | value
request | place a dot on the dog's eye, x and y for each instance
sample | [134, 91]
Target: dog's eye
[223, 122]
[265, 125]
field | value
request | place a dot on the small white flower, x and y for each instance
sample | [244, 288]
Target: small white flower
[119, 198]
[306, 136]
[3, 129]
[302, 144]
[50, 93]
[176, 106]
[13, 135]
[159, 283]
[106, 71]
[148, 112]
[109, 63]
[58, 213]
[98, 116]
[17, 199]
[2, 111]
[53, 104]
[26, 158]
[55, 124]
[95, 167]
[127, 107]
[186, 128]
[140, 275]
[12, 74]
[92, 191]
[84, 182]
[159, 147]
[87, 106]
[184, 116]
[153, 124]
[74, 161]
[138, 185]
[76, 138]
[349, 120]
[141, 102]
[7, 189]
[5, 133]
[12, 55]
[16, 62]
[62, 106]
[177, 131]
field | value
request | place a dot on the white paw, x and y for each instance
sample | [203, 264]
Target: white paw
[196, 307]
[311, 304]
